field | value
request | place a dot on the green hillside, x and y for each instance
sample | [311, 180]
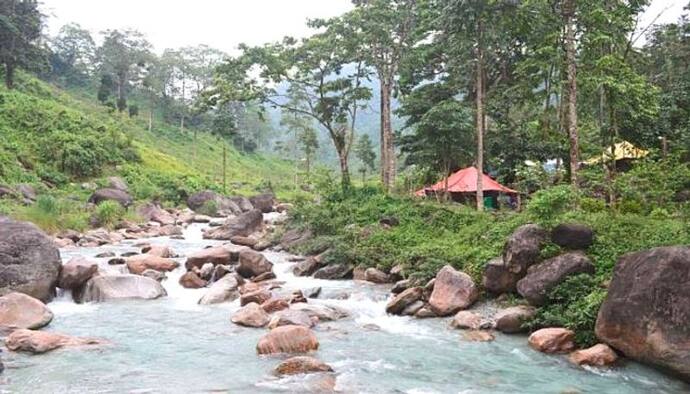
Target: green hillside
[59, 142]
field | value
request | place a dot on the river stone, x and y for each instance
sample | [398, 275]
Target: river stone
[223, 255]
[275, 304]
[222, 290]
[159, 251]
[155, 275]
[401, 286]
[259, 296]
[646, 314]
[153, 213]
[244, 224]
[397, 305]
[523, 248]
[18, 310]
[119, 196]
[76, 272]
[572, 236]
[552, 340]
[478, 336]
[244, 241]
[453, 291]
[288, 339]
[498, 278]
[263, 202]
[545, 276]
[201, 199]
[302, 365]
[291, 317]
[321, 312]
[413, 308]
[466, 320]
[510, 320]
[251, 315]
[116, 287]
[29, 260]
[38, 342]
[306, 267]
[374, 275]
[206, 271]
[294, 237]
[253, 264]
[243, 203]
[599, 355]
[334, 272]
[140, 263]
[191, 280]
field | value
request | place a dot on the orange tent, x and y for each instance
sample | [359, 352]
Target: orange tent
[465, 181]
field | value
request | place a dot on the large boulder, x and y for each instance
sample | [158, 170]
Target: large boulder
[599, 355]
[552, 340]
[29, 260]
[243, 224]
[400, 302]
[263, 202]
[190, 280]
[543, 277]
[307, 266]
[119, 196]
[38, 342]
[498, 278]
[467, 320]
[291, 317]
[251, 315]
[243, 203]
[523, 248]
[118, 287]
[153, 213]
[334, 272]
[203, 199]
[18, 310]
[117, 183]
[302, 365]
[253, 264]
[76, 272]
[453, 291]
[511, 320]
[572, 236]
[258, 296]
[222, 290]
[140, 263]
[321, 312]
[217, 255]
[646, 314]
[294, 237]
[288, 339]
[374, 275]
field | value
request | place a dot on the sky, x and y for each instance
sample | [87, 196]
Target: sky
[224, 24]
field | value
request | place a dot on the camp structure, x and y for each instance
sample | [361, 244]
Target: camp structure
[462, 187]
[622, 153]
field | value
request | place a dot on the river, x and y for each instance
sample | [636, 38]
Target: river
[173, 345]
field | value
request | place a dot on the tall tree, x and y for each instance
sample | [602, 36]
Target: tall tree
[568, 10]
[364, 151]
[20, 30]
[74, 53]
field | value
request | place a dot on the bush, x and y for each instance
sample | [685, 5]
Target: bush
[548, 204]
[210, 208]
[109, 213]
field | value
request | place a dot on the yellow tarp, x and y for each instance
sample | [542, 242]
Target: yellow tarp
[621, 151]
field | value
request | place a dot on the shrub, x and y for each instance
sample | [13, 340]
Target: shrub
[109, 213]
[548, 204]
[210, 208]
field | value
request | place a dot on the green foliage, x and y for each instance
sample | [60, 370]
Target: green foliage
[52, 214]
[548, 204]
[210, 208]
[109, 213]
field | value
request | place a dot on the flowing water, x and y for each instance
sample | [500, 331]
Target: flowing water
[173, 345]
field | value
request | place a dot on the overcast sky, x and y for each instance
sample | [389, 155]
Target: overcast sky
[224, 24]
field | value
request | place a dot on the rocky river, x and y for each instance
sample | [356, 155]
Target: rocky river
[174, 345]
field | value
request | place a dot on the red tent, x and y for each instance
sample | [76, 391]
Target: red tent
[465, 181]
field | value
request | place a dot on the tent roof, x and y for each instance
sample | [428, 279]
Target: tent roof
[622, 150]
[465, 181]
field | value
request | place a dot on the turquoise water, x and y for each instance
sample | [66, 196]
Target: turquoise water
[173, 345]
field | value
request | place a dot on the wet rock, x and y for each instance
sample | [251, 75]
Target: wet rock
[297, 296]
[291, 317]
[466, 320]
[523, 248]
[191, 280]
[425, 313]
[396, 273]
[153, 213]
[646, 314]
[314, 292]
[401, 301]
[413, 308]
[321, 312]
[153, 274]
[117, 261]
[117, 183]
[119, 196]
[159, 251]
[294, 237]
[572, 236]
[18, 310]
[543, 277]
[223, 255]
[76, 272]
[118, 287]
[374, 275]
[453, 291]
[244, 241]
[206, 271]
[498, 278]
[244, 224]
[510, 320]
[334, 272]
[222, 290]
[63, 243]
[29, 261]
[302, 365]
[220, 271]
[251, 315]
[275, 305]
[358, 273]
[401, 286]
[38, 342]
[104, 255]
[478, 336]
[263, 202]
[552, 340]
[599, 355]
[201, 219]
[140, 263]
[253, 264]
[288, 339]
[264, 277]
[258, 296]
[306, 267]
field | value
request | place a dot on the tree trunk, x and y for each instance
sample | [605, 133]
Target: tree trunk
[568, 16]
[388, 137]
[344, 169]
[150, 120]
[182, 124]
[9, 75]
[384, 144]
[480, 118]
